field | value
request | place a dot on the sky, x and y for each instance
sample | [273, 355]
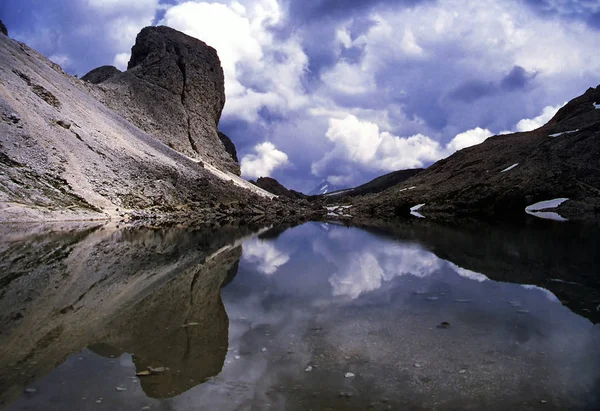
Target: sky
[345, 91]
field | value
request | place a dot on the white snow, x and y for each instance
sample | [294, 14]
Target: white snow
[564, 132]
[408, 188]
[337, 193]
[545, 205]
[509, 168]
[413, 211]
[548, 215]
[596, 106]
[534, 209]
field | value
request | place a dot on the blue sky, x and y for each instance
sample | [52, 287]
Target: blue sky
[348, 90]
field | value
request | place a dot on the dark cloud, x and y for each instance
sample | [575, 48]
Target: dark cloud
[309, 10]
[473, 90]
[578, 10]
[517, 79]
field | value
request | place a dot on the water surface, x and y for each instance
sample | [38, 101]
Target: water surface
[316, 317]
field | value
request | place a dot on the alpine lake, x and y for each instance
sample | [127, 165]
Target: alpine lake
[320, 316]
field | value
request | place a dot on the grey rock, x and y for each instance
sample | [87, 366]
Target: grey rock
[174, 90]
[229, 146]
[101, 74]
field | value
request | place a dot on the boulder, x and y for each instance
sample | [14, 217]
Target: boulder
[101, 74]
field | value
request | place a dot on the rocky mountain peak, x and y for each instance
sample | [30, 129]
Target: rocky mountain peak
[3, 29]
[174, 89]
[578, 113]
[101, 74]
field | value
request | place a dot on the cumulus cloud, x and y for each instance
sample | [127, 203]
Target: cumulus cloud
[260, 71]
[359, 142]
[468, 138]
[267, 257]
[265, 160]
[528, 124]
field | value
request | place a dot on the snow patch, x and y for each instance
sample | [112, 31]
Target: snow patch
[408, 188]
[413, 211]
[596, 106]
[545, 205]
[509, 168]
[535, 209]
[564, 132]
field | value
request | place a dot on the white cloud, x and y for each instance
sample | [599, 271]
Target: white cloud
[468, 138]
[362, 143]
[267, 257]
[528, 124]
[260, 71]
[60, 59]
[121, 60]
[123, 20]
[264, 162]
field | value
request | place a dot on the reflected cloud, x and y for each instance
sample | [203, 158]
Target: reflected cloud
[267, 257]
[365, 270]
[471, 275]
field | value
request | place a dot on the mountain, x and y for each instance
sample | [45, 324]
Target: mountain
[502, 176]
[142, 143]
[376, 185]
[273, 186]
[323, 188]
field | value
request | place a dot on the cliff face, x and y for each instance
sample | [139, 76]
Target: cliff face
[64, 155]
[507, 173]
[174, 90]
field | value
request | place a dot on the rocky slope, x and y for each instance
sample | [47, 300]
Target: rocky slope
[64, 155]
[174, 90]
[502, 176]
[374, 186]
[275, 187]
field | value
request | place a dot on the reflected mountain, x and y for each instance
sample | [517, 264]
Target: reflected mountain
[319, 316]
[562, 258]
[153, 293]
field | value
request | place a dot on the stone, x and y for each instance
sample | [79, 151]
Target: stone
[229, 146]
[174, 90]
[101, 74]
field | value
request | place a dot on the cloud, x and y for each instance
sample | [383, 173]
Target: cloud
[264, 162]
[362, 143]
[468, 138]
[528, 124]
[260, 72]
[517, 79]
[267, 257]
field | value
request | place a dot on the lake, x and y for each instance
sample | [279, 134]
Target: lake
[320, 316]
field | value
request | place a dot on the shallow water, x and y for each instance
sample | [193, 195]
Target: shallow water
[316, 317]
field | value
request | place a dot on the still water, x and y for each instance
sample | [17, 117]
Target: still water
[316, 317]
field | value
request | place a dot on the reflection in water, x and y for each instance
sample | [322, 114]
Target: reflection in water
[307, 307]
[155, 294]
